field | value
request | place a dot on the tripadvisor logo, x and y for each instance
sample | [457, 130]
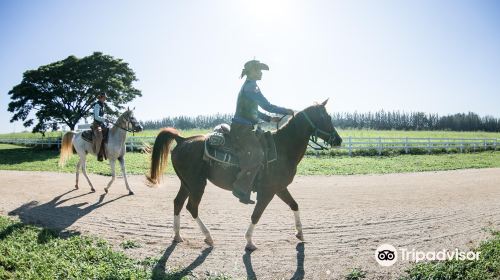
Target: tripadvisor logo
[387, 255]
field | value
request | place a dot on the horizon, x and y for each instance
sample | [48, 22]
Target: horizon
[436, 57]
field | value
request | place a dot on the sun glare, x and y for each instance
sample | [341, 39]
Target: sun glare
[268, 12]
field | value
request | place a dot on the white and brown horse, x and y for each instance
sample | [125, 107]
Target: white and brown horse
[115, 148]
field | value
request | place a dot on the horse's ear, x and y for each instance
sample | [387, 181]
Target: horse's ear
[128, 108]
[324, 102]
[133, 109]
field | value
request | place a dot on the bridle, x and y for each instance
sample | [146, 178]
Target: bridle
[129, 122]
[314, 135]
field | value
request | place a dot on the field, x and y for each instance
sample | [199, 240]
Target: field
[343, 133]
[24, 158]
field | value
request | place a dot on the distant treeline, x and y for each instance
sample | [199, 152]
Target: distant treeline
[380, 120]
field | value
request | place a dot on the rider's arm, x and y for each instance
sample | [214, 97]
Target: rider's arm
[97, 108]
[254, 93]
[263, 116]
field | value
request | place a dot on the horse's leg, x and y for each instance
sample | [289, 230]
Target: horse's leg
[124, 173]
[262, 202]
[192, 207]
[179, 200]
[83, 160]
[113, 173]
[78, 165]
[288, 199]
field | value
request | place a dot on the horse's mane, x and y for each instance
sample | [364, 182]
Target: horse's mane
[291, 122]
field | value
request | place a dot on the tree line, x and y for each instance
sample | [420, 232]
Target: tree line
[380, 120]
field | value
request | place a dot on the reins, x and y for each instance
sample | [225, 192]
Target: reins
[126, 129]
[314, 137]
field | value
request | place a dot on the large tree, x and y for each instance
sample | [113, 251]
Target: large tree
[63, 92]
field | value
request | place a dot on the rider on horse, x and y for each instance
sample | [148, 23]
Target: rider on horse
[99, 126]
[245, 142]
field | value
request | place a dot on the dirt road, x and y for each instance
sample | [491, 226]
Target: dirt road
[345, 218]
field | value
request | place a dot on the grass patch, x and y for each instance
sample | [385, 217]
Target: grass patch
[486, 268]
[356, 274]
[33, 159]
[345, 165]
[28, 252]
[130, 244]
[416, 134]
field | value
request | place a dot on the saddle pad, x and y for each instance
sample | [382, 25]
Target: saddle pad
[224, 154]
[87, 135]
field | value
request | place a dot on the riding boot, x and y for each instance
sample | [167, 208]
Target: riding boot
[100, 155]
[98, 141]
[242, 187]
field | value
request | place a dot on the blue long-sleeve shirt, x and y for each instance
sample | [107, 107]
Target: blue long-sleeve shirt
[249, 99]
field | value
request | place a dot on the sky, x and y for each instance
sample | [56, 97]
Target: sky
[433, 56]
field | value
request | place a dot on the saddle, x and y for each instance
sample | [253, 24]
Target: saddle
[87, 135]
[218, 147]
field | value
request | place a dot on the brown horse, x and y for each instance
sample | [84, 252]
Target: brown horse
[187, 158]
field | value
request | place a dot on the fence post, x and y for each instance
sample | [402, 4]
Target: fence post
[429, 145]
[406, 145]
[350, 146]
[495, 144]
[380, 146]
[461, 145]
[484, 142]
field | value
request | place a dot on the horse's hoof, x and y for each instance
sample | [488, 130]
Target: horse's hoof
[130, 193]
[300, 236]
[106, 190]
[76, 187]
[178, 239]
[92, 190]
[209, 241]
[250, 247]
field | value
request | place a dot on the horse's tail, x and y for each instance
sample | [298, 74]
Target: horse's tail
[160, 151]
[66, 147]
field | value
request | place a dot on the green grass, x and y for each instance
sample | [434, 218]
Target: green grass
[486, 268]
[356, 274]
[345, 165]
[29, 252]
[343, 132]
[32, 159]
[416, 134]
[130, 244]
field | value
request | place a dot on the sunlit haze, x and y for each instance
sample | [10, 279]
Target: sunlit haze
[431, 56]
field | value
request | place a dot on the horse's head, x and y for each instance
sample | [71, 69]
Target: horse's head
[322, 124]
[129, 122]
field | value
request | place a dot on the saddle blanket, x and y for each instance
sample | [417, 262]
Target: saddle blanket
[218, 147]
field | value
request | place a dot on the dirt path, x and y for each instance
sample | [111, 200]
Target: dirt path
[345, 218]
